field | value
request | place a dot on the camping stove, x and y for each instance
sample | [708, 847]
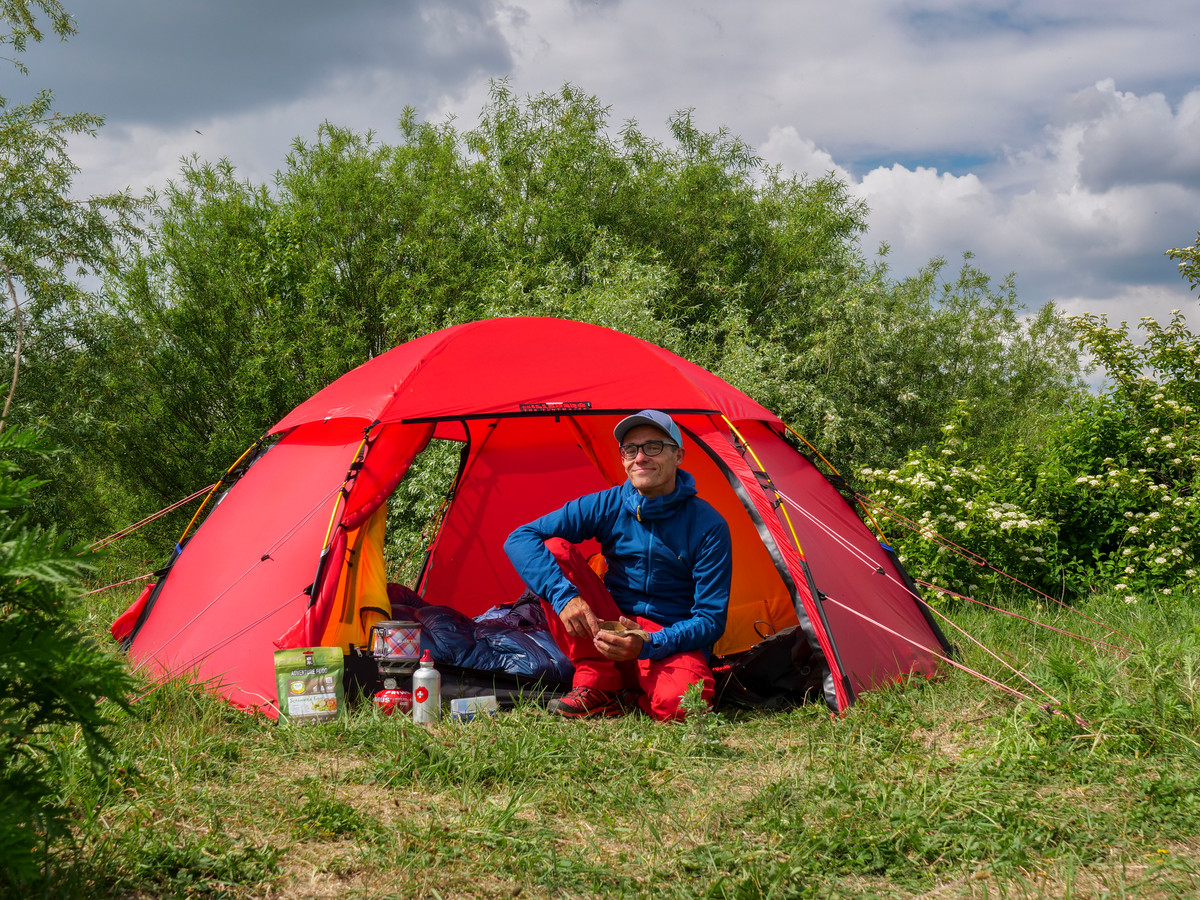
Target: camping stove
[396, 647]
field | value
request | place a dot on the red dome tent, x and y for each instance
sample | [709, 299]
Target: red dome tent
[290, 554]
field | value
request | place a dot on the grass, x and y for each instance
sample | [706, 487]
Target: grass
[946, 789]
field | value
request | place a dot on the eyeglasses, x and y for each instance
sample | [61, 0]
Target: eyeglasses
[650, 448]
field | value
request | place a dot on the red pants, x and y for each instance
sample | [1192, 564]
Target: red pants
[661, 681]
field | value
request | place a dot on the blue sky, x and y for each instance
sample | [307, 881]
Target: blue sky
[1057, 140]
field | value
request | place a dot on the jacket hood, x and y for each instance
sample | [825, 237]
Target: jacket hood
[650, 508]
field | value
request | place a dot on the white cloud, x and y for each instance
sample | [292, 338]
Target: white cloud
[1140, 140]
[921, 210]
[1130, 304]
[894, 77]
[785, 147]
[1044, 214]
[141, 156]
[1058, 141]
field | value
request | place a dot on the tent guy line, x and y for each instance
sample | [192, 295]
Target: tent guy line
[988, 650]
[947, 659]
[283, 539]
[1095, 642]
[925, 604]
[129, 529]
[921, 600]
[976, 559]
[928, 533]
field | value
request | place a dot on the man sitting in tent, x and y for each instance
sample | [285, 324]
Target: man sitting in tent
[669, 566]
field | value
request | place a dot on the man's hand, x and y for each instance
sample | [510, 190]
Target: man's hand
[579, 620]
[619, 647]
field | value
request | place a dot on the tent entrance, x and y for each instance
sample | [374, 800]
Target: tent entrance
[417, 506]
[496, 473]
[519, 468]
[514, 470]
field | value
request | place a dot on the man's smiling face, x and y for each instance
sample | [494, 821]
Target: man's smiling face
[652, 476]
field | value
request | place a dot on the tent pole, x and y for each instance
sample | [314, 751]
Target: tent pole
[342, 494]
[223, 480]
[761, 468]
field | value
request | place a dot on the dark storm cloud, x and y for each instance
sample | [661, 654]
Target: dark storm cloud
[1157, 153]
[157, 62]
[964, 124]
[937, 24]
[594, 5]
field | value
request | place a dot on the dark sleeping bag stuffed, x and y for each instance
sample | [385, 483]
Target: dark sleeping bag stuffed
[517, 651]
[447, 634]
[510, 638]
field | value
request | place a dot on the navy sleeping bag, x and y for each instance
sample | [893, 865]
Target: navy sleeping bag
[509, 638]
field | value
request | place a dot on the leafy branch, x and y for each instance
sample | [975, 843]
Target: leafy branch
[12, 293]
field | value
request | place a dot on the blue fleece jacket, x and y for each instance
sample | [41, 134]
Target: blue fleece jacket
[670, 560]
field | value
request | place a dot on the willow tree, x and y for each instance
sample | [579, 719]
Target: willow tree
[249, 297]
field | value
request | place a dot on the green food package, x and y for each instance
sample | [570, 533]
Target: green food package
[309, 680]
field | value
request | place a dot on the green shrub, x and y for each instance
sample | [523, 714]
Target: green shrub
[1155, 465]
[52, 680]
[1107, 502]
[989, 510]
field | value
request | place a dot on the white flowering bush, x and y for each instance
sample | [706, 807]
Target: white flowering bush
[1141, 446]
[1108, 501]
[972, 521]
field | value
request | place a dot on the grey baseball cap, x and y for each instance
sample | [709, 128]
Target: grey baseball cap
[659, 420]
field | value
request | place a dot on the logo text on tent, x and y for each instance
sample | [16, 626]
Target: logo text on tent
[557, 406]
